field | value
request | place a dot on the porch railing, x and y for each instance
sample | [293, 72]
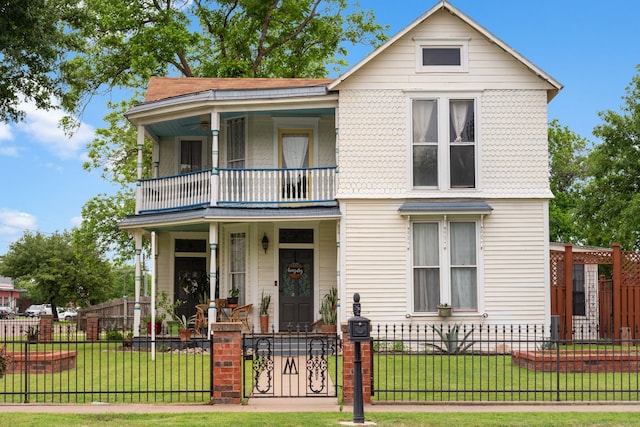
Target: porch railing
[239, 187]
[304, 185]
[179, 191]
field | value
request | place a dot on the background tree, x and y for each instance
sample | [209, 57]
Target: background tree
[567, 171]
[32, 45]
[58, 269]
[609, 210]
[128, 41]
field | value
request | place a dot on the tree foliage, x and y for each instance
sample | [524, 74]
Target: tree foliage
[609, 210]
[128, 41]
[58, 268]
[32, 45]
[567, 171]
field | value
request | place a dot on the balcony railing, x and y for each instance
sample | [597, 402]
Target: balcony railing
[240, 187]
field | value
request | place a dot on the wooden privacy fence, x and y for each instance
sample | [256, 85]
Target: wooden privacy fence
[118, 313]
[618, 305]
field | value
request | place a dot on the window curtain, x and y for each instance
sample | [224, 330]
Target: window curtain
[459, 111]
[424, 125]
[426, 262]
[238, 264]
[463, 265]
[294, 150]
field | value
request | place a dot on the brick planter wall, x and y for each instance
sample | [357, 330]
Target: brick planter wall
[41, 362]
[577, 361]
[227, 363]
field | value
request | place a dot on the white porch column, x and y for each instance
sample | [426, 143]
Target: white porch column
[338, 279]
[215, 147]
[137, 237]
[139, 169]
[213, 275]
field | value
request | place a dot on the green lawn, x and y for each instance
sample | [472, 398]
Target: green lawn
[105, 373]
[529, 419]
[490, 378]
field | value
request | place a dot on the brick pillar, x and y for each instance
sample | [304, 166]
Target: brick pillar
[46, 327]
[348, 369]
[227, 363]
[93, 331]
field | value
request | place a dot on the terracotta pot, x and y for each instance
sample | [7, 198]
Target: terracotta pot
[264, 323]
[328, 328]
[185, 334]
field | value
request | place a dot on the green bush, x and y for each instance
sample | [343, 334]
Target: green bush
[114, 336]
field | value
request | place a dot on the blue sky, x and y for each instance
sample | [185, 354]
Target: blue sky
[590, 46]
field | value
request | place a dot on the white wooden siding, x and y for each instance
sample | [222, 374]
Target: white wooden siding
[378, 263]
[489, 66]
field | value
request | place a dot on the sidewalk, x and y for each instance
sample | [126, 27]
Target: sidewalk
[313, 405]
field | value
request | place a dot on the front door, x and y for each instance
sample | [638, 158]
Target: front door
[190, 285]
[296, 289]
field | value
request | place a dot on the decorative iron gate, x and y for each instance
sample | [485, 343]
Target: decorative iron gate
[290, 365]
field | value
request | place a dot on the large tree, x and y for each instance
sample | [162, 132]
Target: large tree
[609, 210]
[33, 43]
[58, 268]
[128, 41]
[567, 171]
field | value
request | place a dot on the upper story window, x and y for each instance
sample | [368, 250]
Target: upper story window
[442, 55]
[444, 142]
[236, 143]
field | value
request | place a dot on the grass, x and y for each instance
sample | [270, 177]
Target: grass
[401, 419]
[437, 377]
[105, 373]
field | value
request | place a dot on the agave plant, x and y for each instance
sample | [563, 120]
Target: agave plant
[451, 342]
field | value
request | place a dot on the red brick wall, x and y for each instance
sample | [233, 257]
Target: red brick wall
[227, 363]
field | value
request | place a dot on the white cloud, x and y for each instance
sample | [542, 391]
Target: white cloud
[6, 135]
[42, 127]
[14, 223]
[76, 221]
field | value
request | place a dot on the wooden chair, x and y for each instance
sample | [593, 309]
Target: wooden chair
[221, 305]
[202, 310]
[242, 314]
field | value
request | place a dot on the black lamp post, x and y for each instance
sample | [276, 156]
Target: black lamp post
[359, 331]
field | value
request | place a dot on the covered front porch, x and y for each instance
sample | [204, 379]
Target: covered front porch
[289, 254]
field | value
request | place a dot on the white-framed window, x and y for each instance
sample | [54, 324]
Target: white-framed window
[236, 141]
[191, 154]
[442, 55]
[445, 264]
[444, 142]
[238, 264]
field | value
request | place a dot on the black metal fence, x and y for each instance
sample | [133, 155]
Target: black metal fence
[452, 362]
[117, 367]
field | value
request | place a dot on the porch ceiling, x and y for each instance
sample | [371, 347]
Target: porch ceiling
[199, 125]
[199, 219]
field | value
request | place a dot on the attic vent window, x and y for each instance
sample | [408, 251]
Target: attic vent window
[442, 55]
[433, 56]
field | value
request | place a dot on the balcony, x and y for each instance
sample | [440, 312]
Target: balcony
[239, 188]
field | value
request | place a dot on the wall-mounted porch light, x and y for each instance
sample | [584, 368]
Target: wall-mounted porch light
[265, 243]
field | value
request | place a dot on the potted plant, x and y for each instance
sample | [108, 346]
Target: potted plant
[232, 301]
[32, 333]
[157, 324]
[444, 310]
[328, 311]
[127, 341]
[185, 331]
[265, 301]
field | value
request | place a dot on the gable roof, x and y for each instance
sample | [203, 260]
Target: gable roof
[170, 87]
[444, 5]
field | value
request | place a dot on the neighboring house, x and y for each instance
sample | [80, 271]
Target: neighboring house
[418, 177]
[8, 293]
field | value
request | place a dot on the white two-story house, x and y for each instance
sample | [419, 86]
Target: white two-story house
[417, 178]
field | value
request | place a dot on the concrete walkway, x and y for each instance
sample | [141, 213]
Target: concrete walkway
[312, 405]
